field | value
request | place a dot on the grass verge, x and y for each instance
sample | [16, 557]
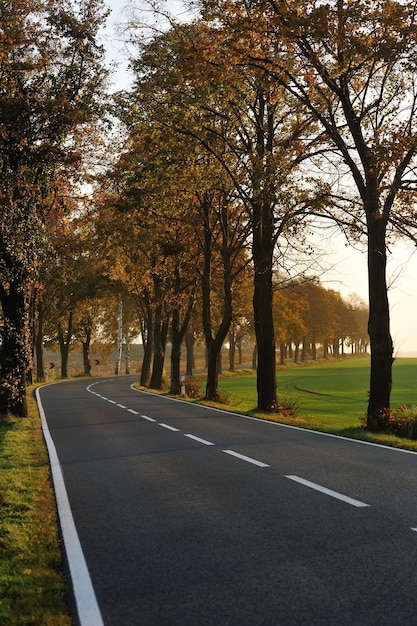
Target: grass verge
[33, 586]
[329, 396]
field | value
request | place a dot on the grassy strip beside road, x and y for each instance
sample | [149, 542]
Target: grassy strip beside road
[33, 587]
[327, 396]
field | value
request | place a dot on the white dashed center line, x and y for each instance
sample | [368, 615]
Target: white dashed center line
[328, 492]
[204, 441]
[248, 459]
[150, 419]
[175, 430]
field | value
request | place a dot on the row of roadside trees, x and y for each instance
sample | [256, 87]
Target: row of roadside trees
[83, 311]
[245, 129]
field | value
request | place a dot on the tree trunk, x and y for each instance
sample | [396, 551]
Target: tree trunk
[282, 352]
[15, 350]
[86, 352]
[119, 338]
[176, 337]
[178, 331]
[304, 350]
[148, 341]
[214, 341]
[127, 351]
[145, 374]
[296, 352]
[189, 347]
[40, 370]
[175, 354]
[232, 351]
[314, 349]
[64, 339]
[264, 323]
[239, 350]
[255, 356]
[160, 339]
[378, 326]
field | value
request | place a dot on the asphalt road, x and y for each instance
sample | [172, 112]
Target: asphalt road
[190, 516]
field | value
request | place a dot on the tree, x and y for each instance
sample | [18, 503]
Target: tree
[242, 321]
[353, 67]
[51, 71]
[247, 123]
[289, 305]
[219, 242]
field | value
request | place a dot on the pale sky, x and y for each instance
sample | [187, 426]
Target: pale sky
[349, 275]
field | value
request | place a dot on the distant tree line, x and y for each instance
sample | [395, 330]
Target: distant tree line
[309, 318]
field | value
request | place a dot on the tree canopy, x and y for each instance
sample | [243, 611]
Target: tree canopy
[245, 129]
[51, 81]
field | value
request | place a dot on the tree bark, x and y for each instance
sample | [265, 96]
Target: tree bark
[175, 387]
[239, 350]
[178, 330]
[232, 351]
[263, 244]
[127, 351]
[214, 341]
[64, 338]
[148, 340]
[145, 374]
[160, 339]
[119, 338]
[378, 325]
[160, 334]
[314, 349]
[86, 352]
[262, 308]
[40, 370]
[255, 357]
[189, 347]
[282, 353]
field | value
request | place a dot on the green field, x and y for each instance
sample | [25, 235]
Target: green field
[328, 396]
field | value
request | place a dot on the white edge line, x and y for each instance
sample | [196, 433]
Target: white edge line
[248, 459]
[278, 424]
[204, 441]
[85, 597]
[328, 492]
[175, 430]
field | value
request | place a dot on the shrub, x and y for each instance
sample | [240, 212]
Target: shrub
[192, 388]
[401, 421]
[223, 397]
